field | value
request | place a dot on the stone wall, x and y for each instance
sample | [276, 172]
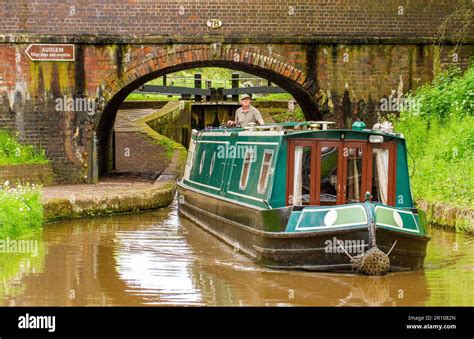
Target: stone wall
[26, 173]
[173, 121]
[138, 153]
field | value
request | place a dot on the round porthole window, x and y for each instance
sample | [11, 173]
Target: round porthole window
[398, 219]
[330, 218]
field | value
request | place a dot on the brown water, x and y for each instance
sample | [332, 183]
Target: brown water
[160, 258]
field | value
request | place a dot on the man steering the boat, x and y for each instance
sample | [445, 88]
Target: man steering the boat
[246, 114]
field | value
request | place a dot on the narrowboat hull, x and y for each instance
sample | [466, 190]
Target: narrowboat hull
[260, 234]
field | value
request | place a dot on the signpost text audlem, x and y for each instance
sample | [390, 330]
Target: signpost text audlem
[51, 52]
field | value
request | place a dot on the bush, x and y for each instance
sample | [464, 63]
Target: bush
[12, 152]
[439, 132]
[274, 97]
[21, 210]
[287, 116]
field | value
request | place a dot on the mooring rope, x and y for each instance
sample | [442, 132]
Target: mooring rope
[347, 253]
[393, 246]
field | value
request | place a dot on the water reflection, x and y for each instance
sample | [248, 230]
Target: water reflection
[156, 264]
[159, 258]
[18, 259]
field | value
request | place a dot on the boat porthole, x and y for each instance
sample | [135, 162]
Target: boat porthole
[398, 219]
[330, 217]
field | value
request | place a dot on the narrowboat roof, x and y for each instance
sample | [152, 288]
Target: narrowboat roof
[291, 129]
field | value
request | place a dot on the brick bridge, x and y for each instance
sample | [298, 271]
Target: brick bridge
[337, 58]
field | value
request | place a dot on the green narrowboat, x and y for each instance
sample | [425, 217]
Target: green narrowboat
[304, 196]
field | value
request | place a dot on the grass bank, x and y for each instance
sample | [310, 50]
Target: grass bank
[13, 152]
[151, 96]
[21, 211]
[438, 124]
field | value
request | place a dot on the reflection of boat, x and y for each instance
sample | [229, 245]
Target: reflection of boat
[292, 196]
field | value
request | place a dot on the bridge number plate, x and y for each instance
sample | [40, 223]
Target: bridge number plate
[214, 23]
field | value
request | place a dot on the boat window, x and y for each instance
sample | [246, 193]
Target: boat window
[302, 175]
[380, 175]
[329, 181]
[244, 176]
[265, 171]
[203, 157]
[353, 184]
[211, 168]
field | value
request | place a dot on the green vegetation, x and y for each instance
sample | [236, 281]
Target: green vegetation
[273, 97]
[288, 116]
[207, 73]
[20, 207]
[12, 152]
[21, 210]
[150, 96]
[439, 129]
[168, 144]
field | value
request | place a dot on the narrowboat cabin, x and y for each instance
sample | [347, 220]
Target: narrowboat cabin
[304, 196]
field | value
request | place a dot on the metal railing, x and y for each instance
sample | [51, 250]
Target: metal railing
[213, 90]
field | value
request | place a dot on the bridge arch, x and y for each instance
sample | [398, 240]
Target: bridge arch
[145, 67]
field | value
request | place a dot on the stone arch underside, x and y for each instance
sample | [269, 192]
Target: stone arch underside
[117, 87]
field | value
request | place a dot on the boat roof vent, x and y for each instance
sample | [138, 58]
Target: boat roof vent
[324, 124]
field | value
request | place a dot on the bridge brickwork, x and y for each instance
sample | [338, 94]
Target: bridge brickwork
[282, 18]
[337, 58]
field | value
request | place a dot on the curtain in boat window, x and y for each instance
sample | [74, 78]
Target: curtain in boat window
[244, 176]
[380, 175]
[354, 174]
[265, 171]
[297, 176]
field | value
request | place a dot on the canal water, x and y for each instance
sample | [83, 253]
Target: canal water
[161, 258]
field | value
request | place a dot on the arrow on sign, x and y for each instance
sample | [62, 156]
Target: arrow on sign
[51, 52]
